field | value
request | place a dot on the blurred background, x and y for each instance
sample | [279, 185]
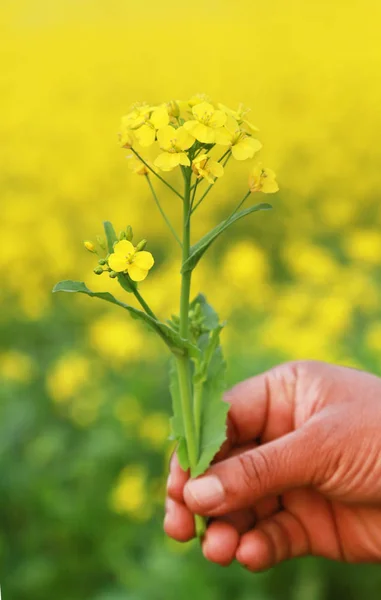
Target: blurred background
[83, 394]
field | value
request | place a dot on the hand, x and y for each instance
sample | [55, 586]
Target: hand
[299, 474]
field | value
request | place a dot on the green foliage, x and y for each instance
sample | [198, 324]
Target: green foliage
[177, 424]
[198, 249]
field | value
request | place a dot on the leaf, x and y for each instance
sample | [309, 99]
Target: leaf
[198, 249]
[177, 424]
[175, 343]
[111, 237]
[214, 410]
[210, 316]
[110, 234]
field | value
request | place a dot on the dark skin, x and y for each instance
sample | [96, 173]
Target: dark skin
[300, 473]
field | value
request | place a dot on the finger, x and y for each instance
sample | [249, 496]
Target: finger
[179, 521]
[274, 540]
[240, 481]
[220, 543]
[176, 480]
[262, 406]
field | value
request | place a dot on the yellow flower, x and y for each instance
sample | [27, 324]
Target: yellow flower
[174, 142]
[242, 145]
[89, 246]
[127, 259]
[203, 166]
[143, 121]
[136, 166]
[262, 180]
[207, 124]
[239, 115]
[146, 134]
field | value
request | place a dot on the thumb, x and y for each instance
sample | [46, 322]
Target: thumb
[288, 462]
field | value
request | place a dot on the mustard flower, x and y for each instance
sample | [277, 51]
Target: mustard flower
[144, 121]
[207, 124]
[242, 145]
[128, 259]
[239, 115]
[89, 246]
[263, 180]
[173, 142]
[136, 166]
[204, 167]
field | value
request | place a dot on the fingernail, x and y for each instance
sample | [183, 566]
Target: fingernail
[169, 481]
[169, 506]
[207, 491]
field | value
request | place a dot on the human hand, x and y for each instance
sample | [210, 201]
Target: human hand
[299, 474]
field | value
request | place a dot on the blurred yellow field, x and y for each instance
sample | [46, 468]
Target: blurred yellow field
[300, 281]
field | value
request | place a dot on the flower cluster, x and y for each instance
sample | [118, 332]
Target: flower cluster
[187, 132]
[132, 261]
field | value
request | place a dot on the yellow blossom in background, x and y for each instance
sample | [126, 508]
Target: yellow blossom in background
[130, 494]
[207, 124]
[262, 180]
[364, 245]
[206, 168]
[68, 376]
[16, 366]
[154, 428]
[118, 339]
[173, 142]
[127, 259]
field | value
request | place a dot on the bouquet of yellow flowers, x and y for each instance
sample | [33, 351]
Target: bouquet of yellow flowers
[198, 137]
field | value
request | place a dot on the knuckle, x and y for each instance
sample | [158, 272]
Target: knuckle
[255, 470]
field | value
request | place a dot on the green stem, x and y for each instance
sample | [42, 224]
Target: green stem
[238, 206]
[157, 174]
[197, 409]
[170, 226]
[144, 304]
[183, 362]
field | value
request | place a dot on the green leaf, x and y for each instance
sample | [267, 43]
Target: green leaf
[202, 245]
[175, 343]
[111, 237]
[210, 316]
[177, 424]
[214, 409]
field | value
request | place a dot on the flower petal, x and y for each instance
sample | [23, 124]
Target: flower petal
[184, 139]
[117, 263]
[203, 133]
[202, 110]
[123, 248]
[160, 117]
[183, 159]
[218, 119]
[246, 148]
[144, 260]
[215, 168]
[136, 273]
[145, 135]
[166, 161]
[165, 135]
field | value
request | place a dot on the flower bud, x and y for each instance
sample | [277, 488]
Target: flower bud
[173, 108]
[129, 233]
[122, 235]
[141, 245]
[113, 274]
[101, 241]
[102, 261]
[98, 270]
[89, 246]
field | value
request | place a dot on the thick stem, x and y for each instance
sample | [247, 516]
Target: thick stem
[183, 362]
